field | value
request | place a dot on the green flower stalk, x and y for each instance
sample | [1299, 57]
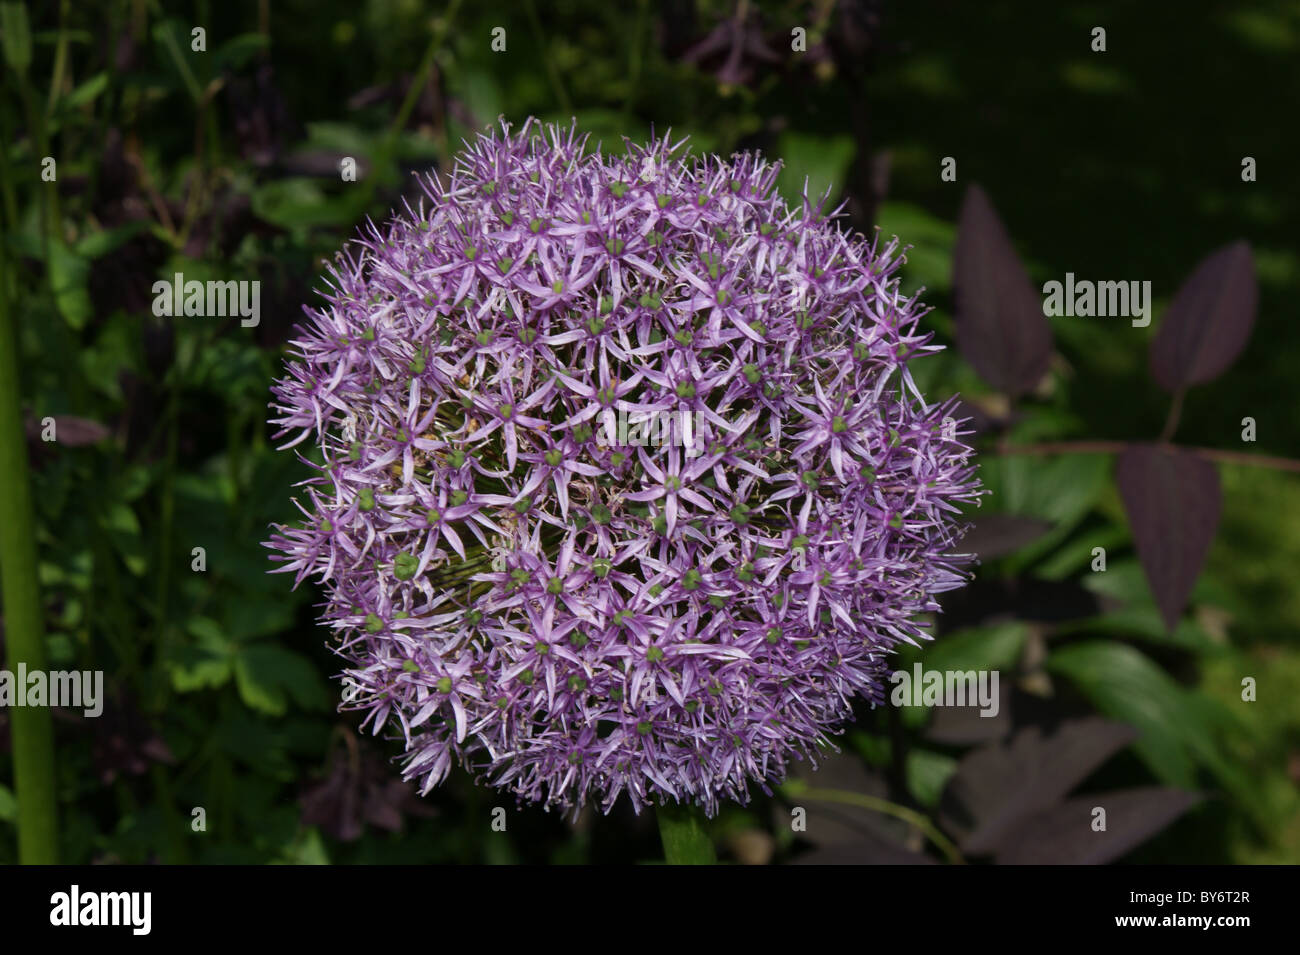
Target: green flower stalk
[33, 728]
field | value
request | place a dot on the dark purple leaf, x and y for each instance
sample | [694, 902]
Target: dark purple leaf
[739, 45]
[1063, 835]
[995, 535]
[1000, 324]
[359, 790]
[1207, 325]
[332, 804]
[964, 726]
[382, 806]
[996, 786]
[844, 829]
[1173, 500]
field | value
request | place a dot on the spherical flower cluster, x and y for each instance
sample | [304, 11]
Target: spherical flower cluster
[626, 484]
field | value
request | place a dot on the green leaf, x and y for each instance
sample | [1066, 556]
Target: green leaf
[1125, 685]
[927, 773]
[257, 615]
[1180, 728]
[480, 89]
[345, 138]
[17, 38]
[68, 274]
[929, 261]
[86, 92]
[823, 160]
[123, 529]
[268, 676]
[1075, 555]
[1061, 490]
[8, 805]
[307, 849]
[117, 348]
[1138, 616]
[994, 647]
[96, 244]
[298, 202]
[238, 50]
[52, 37]
[1042, 424]
[205, 664]
[168, 35]
[258, 743]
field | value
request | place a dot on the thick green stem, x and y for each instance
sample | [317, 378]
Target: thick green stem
[683, 835]
[32, 729]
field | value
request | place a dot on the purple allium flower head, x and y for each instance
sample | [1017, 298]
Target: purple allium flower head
[627, 486]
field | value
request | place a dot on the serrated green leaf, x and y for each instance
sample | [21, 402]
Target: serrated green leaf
[268, 676]
[206, 662]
